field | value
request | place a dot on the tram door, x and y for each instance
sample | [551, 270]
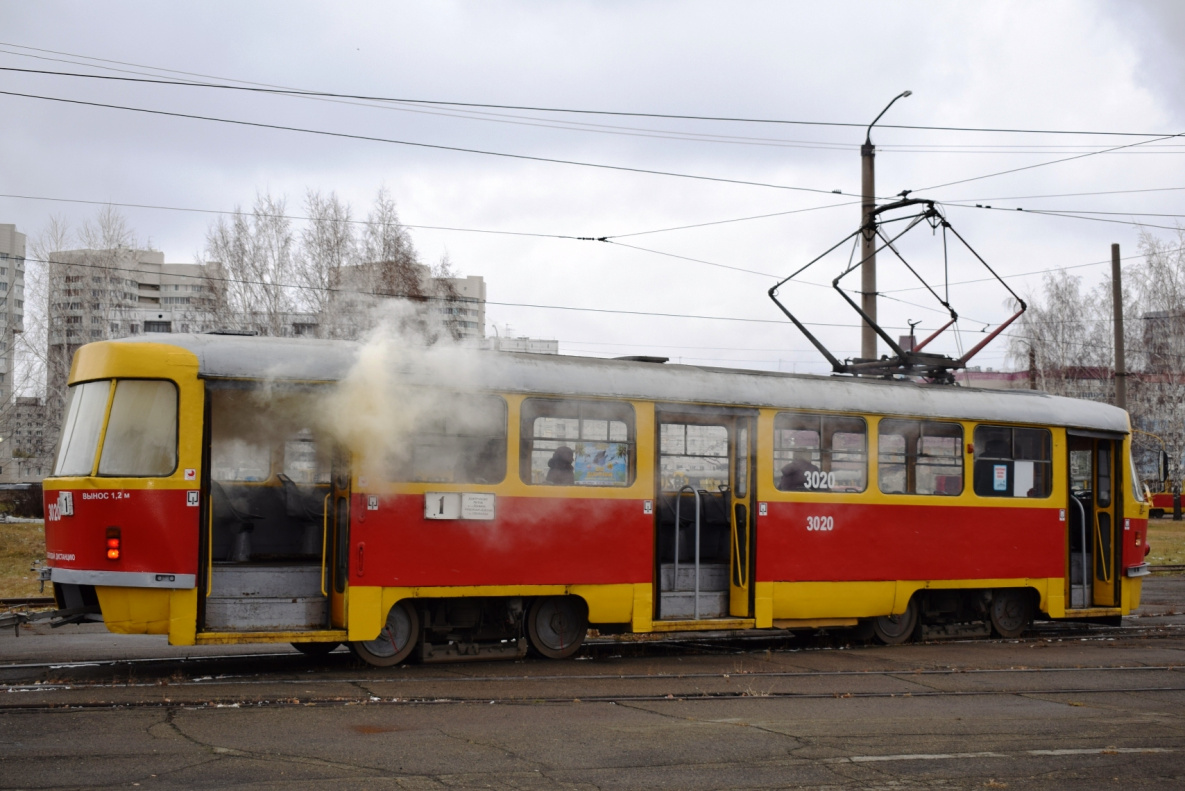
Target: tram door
[270, 533]
[1093, 521]
[704, 519]
[337, 538]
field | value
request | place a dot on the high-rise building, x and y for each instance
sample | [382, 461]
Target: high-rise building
[12, 302]
[12, 314]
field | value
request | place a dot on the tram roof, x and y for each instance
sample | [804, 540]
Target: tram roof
[311, 360]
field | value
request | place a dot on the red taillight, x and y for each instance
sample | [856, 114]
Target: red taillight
[113, 543]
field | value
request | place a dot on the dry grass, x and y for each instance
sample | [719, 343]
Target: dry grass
[20, 544]
[1167, 539]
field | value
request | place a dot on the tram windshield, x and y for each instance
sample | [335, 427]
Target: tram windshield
[141, 437]
[80, 431]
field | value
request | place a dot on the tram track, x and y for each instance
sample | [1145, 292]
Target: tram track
[363, 695]
[264, 689]
[697, 643]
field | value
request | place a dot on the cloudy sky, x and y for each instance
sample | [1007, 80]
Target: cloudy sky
[1072, 67]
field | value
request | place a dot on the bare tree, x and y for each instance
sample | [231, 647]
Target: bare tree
[1062, 337]
[327, 246]
[250, 268]
[1066, 338]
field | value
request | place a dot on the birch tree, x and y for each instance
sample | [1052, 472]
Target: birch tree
[250, 268]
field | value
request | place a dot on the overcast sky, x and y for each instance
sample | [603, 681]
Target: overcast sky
[1073, 66]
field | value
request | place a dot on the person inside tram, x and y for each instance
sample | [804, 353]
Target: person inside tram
[560, 470]
[794, 474]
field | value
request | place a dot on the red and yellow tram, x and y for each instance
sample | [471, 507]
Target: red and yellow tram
[227, 489]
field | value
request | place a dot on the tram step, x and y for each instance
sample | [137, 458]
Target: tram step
[266, 614]
[681, 604]
[712, 577]
[265, 581]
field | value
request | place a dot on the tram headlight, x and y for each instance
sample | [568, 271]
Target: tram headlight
[114, 543]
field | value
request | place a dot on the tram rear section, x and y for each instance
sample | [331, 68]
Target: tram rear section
[194, 497]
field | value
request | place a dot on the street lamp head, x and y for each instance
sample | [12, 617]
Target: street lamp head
[868, 135]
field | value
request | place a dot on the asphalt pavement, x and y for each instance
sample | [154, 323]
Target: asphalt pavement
[1067, 707]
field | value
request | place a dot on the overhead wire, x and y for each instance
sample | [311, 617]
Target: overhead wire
[1047, 164]
[632, 114]
[417, 144]
[418, 226]
[205, 278]
[412, 105]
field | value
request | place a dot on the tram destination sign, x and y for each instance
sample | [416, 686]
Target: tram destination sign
[477, 506]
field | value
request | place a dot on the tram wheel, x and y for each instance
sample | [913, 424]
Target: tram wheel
[395, 642]
[556, 625]
[315, 649]
[896, 629]
[1011, 612]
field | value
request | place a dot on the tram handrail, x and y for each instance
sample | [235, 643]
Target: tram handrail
[742, 568]
[210, 548]
[678, 504]
[1098, 530]
[1082, 508]
[324, 540]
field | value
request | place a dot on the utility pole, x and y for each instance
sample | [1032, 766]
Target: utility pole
[1117, 308]
[868, 235]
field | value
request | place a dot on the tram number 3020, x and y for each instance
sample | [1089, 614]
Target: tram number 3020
[819, 480]
[820, 523]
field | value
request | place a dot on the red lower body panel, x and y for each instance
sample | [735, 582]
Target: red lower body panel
[158, 530]
[532, 541]
[821, 542]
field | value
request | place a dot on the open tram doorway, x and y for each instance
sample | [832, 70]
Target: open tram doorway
[272, 514]
[1093, 524]
[704, 519]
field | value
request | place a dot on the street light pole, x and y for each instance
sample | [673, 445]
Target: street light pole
[868, 236]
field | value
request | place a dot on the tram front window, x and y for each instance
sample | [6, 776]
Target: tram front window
[83, 424]
[141, 438]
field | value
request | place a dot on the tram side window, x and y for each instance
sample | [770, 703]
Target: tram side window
[456, 438]
[577, 443]
[820, 453]
[306, 461]
[80, 431]
[1013, 462]
[920, 457]
[244, 427]
[141, 438]
[693, 455]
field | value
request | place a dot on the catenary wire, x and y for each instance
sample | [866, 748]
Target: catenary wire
[432, 298]
[194, 210]
[1047, 164]
[416, 144]
[1072, 216]
[676, 116]
[411, 106]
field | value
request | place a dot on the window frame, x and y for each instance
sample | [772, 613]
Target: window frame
[1011, 460]
[534, 407]
[392, 473]
[686, 421]
[98, 449]
[910, 460]
[821, 452]
[106, 426]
